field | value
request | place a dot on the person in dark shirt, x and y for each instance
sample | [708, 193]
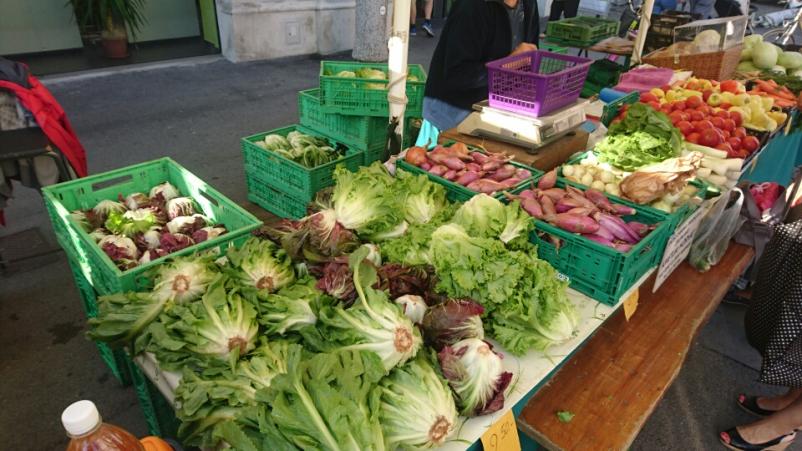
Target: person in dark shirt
[477, 32]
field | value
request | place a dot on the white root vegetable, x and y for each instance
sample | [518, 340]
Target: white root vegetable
[718, 180]
[568, 171]
[721, 166]
[579, 171]
[703, 172]
[613, 189]
[733, 175]
[587, 179]
[597, 185]
[607, 177]
[708, 151]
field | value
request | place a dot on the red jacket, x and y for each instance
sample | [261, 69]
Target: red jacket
[52, 120]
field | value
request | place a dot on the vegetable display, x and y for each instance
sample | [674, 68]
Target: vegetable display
[306, 150]
[479, 172]
[305, 338]
[140, 228]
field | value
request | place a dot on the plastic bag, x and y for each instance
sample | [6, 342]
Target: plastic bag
[717, 228]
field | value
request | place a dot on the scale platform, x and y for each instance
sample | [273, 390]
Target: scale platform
[522, 130]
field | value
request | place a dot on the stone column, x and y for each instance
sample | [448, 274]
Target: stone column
[370, 43]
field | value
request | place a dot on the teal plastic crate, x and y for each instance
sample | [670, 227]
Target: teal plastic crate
[158, 412]
[362, 132]
[611, 109]
[272, 199]
[116, 359]
[458, 193]
[366, 97]
[85, 193]
[293, 179]
[596, 270]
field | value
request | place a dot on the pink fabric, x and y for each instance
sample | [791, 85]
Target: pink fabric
[644, 79]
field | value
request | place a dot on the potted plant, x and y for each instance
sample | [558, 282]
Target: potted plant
[114, 19]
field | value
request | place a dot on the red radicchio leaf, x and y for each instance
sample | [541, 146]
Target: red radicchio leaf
[454, 320]
[497, 401]
[175, 242]
[454, 370]
[450, 363]
[338, 281]
[402, 280]
[116, 253]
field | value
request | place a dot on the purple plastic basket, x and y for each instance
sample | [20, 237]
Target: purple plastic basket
[536, 83]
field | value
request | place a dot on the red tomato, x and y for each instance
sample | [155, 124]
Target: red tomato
[725, 106]
[679, 106]
[666, 88]
[624, 107]
[725, 134]
[750, 143]
[739, 132]
[685, 127]
[697, 115]
[722, 114]
[736, 116]
[706, 94]
[710, 138]
[734, 142]
[665, 108]
[694, 102]
[655, 105]
[725, 147]
[717, 122]
[729, 125]
[693, 137]
[703, 125]
[729, 86]
[647, 97]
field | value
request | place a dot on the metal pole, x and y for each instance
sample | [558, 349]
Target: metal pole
[643, 28]
[399, 48]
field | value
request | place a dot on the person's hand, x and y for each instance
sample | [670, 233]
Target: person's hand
[523, 47]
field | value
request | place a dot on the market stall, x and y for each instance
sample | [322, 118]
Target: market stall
[465, 284]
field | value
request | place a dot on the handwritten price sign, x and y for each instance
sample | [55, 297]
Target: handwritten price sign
[502, 435]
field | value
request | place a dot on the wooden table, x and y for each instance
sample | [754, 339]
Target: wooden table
[615, 381]
[545, 158]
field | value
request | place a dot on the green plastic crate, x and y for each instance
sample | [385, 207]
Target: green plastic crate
[458, 193]
[674, 218]
[581, 31]
[85, 193]
[554, 49]
[293, 179]
[354, 96]
[611, 109]
[274, 200]
[596, 270]
[158, 412]
[412, 128]
[603, 74]
[362, 132]
[116, 359]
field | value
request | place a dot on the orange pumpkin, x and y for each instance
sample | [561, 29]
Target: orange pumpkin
[151, 443]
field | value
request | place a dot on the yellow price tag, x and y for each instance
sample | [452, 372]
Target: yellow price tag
[502, 435]
[631, 304]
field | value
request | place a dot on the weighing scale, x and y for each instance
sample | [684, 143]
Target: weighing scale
[520, 129]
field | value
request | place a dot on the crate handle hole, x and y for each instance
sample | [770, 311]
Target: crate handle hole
[209, 198]
[112, 182]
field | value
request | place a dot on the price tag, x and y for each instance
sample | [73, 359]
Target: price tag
[502, 435]
[631, 304]
[679, 245]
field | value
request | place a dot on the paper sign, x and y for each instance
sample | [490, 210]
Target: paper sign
[678, 247]
[631, 304]
[502, 435]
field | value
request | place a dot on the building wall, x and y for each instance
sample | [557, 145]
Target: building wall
[264, 29]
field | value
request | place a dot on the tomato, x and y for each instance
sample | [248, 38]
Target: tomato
[706, 94]
[730, 86]
[725, 147]
[750, 143]
[710, 138]
[647, 97]
[666, 88]
[624, 107]
[693, 137]
[665, 108]
[703, 125]
[739, 132]
[722, 114]
[697, 115]
[725, 106]
[679, 106]
[692, 85]
[725, 134]
[717, 122]
[655, 105]
[694, 102]
[685, 127]
[734, 142]
[736, 116]
[615, 121]
[729, 125]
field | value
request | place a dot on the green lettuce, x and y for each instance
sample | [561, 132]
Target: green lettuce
[291, 308]
[131, 222]
[487, 217]
[260, 266]
[412, 249]
[329, 401]
[367, 202]
[525, 302]
[423, 199]
[644, 137]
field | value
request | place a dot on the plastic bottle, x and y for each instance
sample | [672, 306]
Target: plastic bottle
[88, 432]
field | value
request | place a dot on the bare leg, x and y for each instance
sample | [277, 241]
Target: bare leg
[427, 9]
[779, 402]
[781, 423]
[413, 12]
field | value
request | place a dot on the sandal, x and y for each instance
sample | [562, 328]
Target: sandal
[749, 404]
[732, 439]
